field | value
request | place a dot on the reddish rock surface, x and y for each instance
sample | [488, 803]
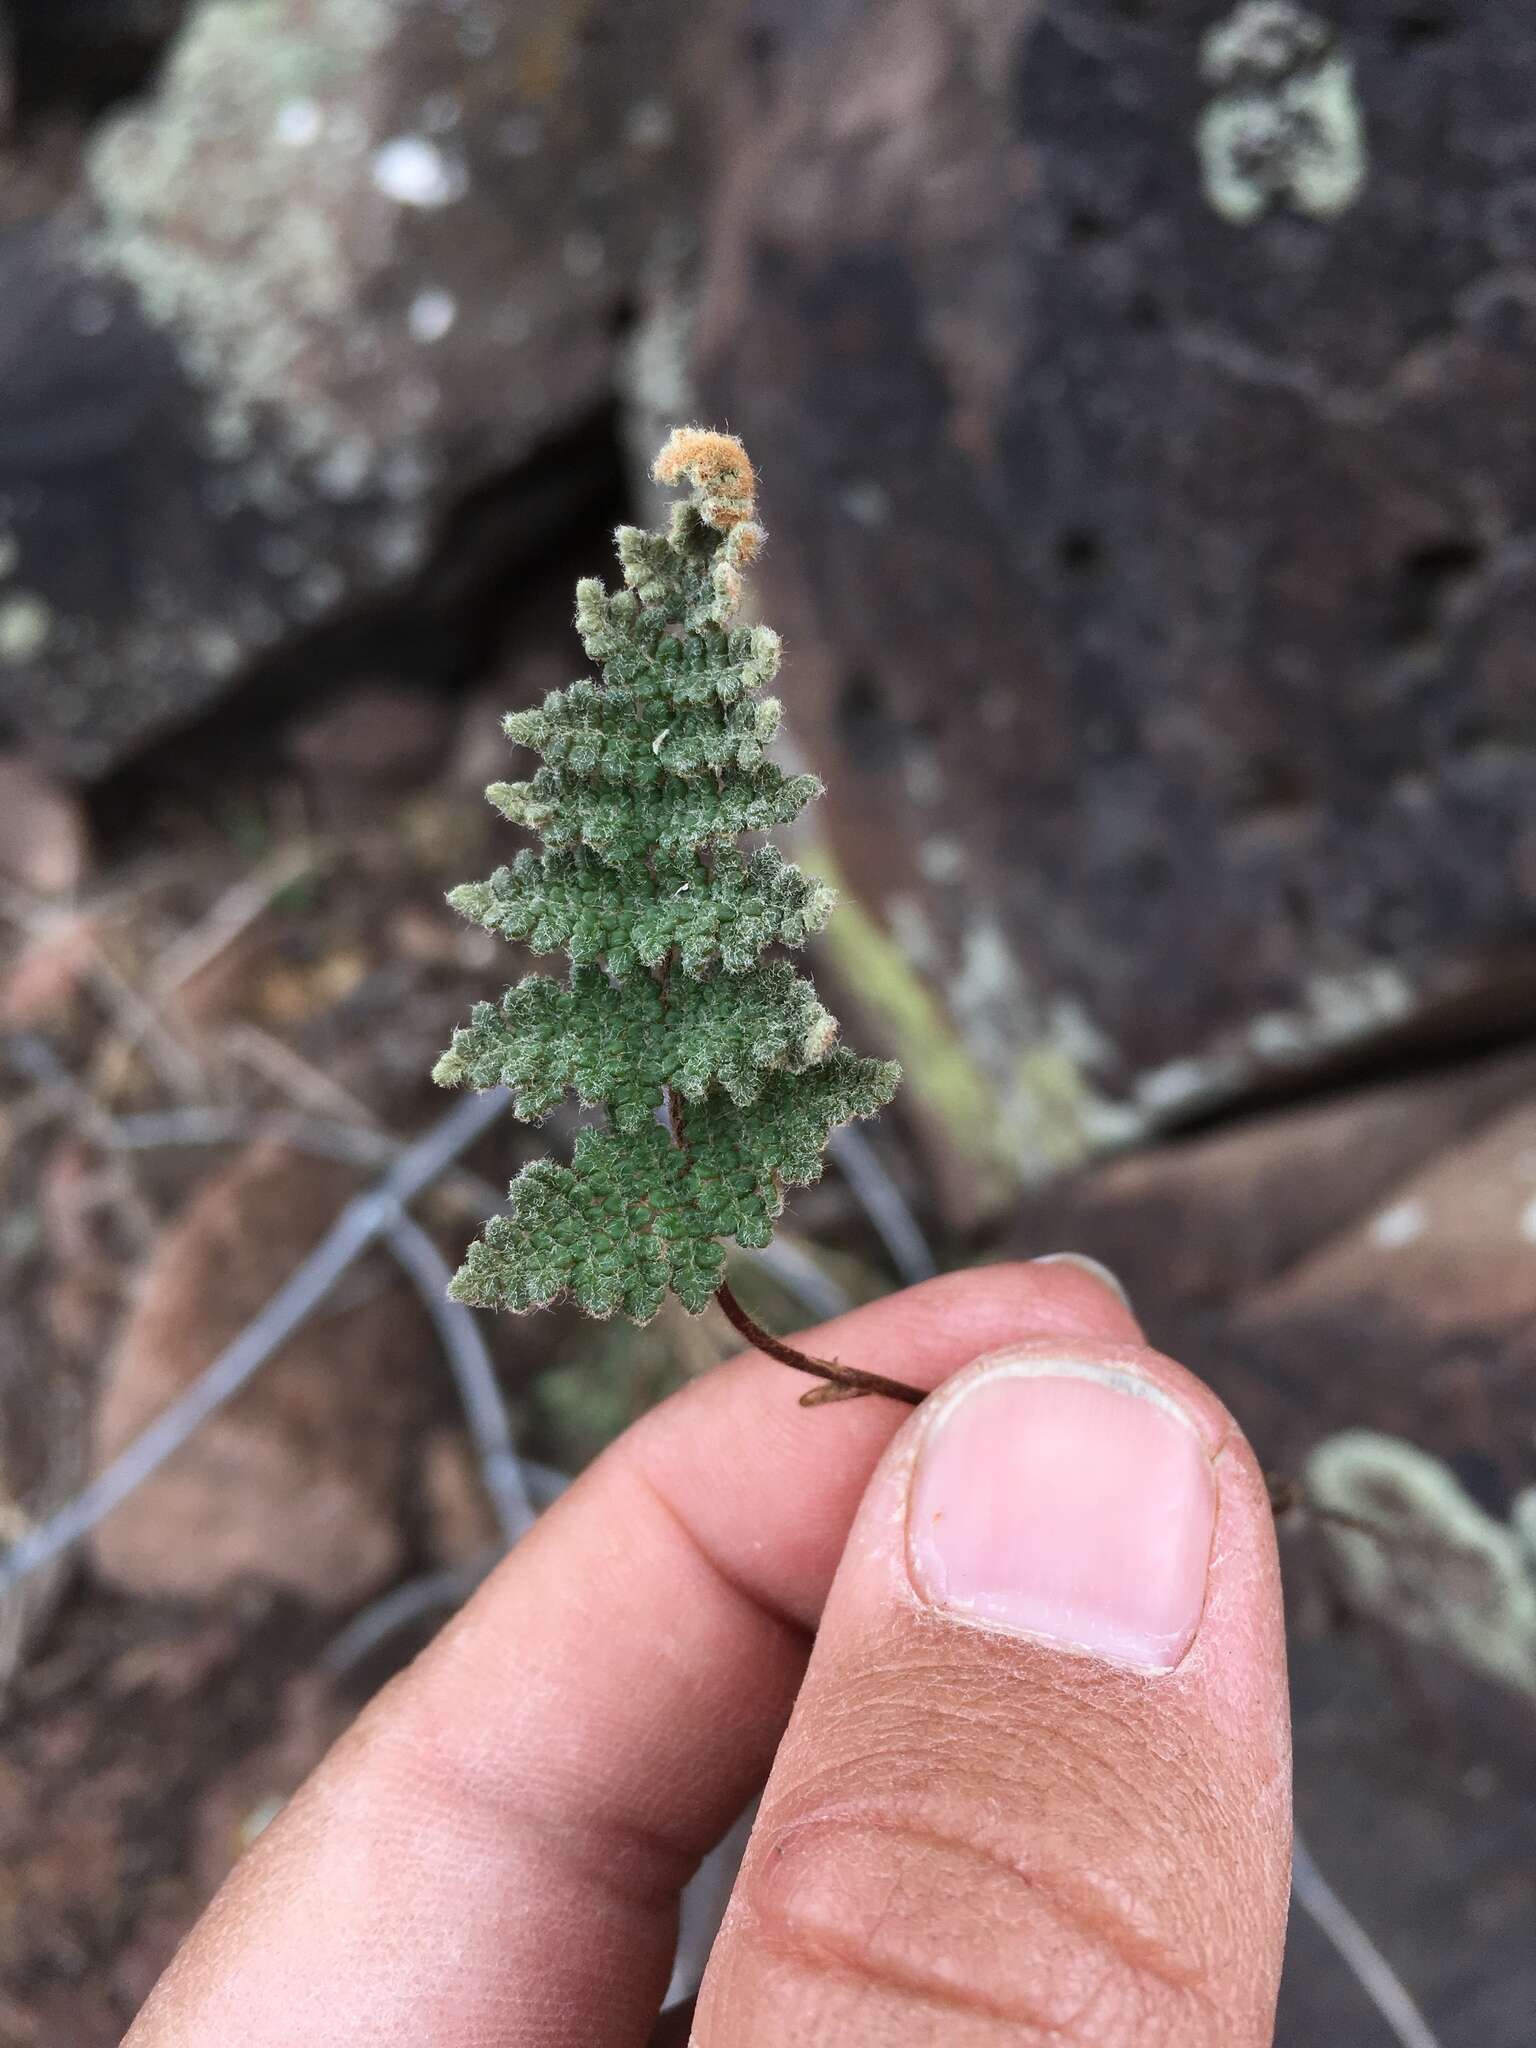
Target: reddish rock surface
[301, 1482]
[43, 841]
[1207, 1220]
[143, 1746]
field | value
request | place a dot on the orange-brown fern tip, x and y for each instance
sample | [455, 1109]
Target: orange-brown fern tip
[718, 468]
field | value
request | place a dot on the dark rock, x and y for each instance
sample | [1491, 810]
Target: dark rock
[1155, 586]
[85, 53]
[1426, 1829]
[349, 264]
[300, 1482]
[376, 734]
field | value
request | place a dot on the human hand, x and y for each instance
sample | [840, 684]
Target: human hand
[1035, 1781]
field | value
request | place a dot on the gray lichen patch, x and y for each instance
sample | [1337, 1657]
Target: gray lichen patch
[1284, 127]
[26, 627]
[1440, 1569]
[241, 203]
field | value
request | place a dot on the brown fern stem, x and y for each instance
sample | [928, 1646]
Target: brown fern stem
[843, 1382]
[849, 1383]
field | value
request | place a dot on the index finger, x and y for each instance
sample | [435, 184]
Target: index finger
[495, 1852]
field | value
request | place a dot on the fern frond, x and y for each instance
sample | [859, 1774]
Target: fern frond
[717, 1072]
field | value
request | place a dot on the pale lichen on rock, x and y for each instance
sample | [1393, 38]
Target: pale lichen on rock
[249, 265]
[26, 627]
[1284, 127]
[1440, 1568]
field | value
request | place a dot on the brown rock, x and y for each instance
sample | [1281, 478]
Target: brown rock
[136, 1750]
[376, 734]
[43, 843]
[1212, 1219]
[1414, 1318]
[299, 1483]
[1453, 1246]
[41, 983]
[460, 1522]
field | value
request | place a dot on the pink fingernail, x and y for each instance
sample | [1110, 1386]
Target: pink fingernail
[1070, 1502]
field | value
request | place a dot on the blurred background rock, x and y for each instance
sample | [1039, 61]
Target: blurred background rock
[1142, 398]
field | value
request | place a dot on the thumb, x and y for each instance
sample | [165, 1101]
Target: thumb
[1037, 1784]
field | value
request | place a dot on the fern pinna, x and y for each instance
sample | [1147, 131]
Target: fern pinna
[718, 1071]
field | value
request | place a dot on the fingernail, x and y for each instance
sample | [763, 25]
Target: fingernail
[1084, 1264]
[1067, 1501]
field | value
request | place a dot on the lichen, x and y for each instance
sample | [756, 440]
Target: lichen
[1402, 1224]
[1016, 1115]
[413, 171]
[940, 1071]
[240, 202]
[1040, 1096]
[1284, 127]
[26, 627]
[1442, 1570]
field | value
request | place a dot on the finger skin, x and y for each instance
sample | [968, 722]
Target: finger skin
[973, 1838]
[495, 1851]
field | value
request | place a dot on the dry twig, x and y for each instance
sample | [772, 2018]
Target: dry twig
[1355, 1948]
[883, 1203]
[485, 1410]
[231, 914]
[294, 1076]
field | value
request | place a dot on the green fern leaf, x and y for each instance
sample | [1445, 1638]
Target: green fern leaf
[717, 1071]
